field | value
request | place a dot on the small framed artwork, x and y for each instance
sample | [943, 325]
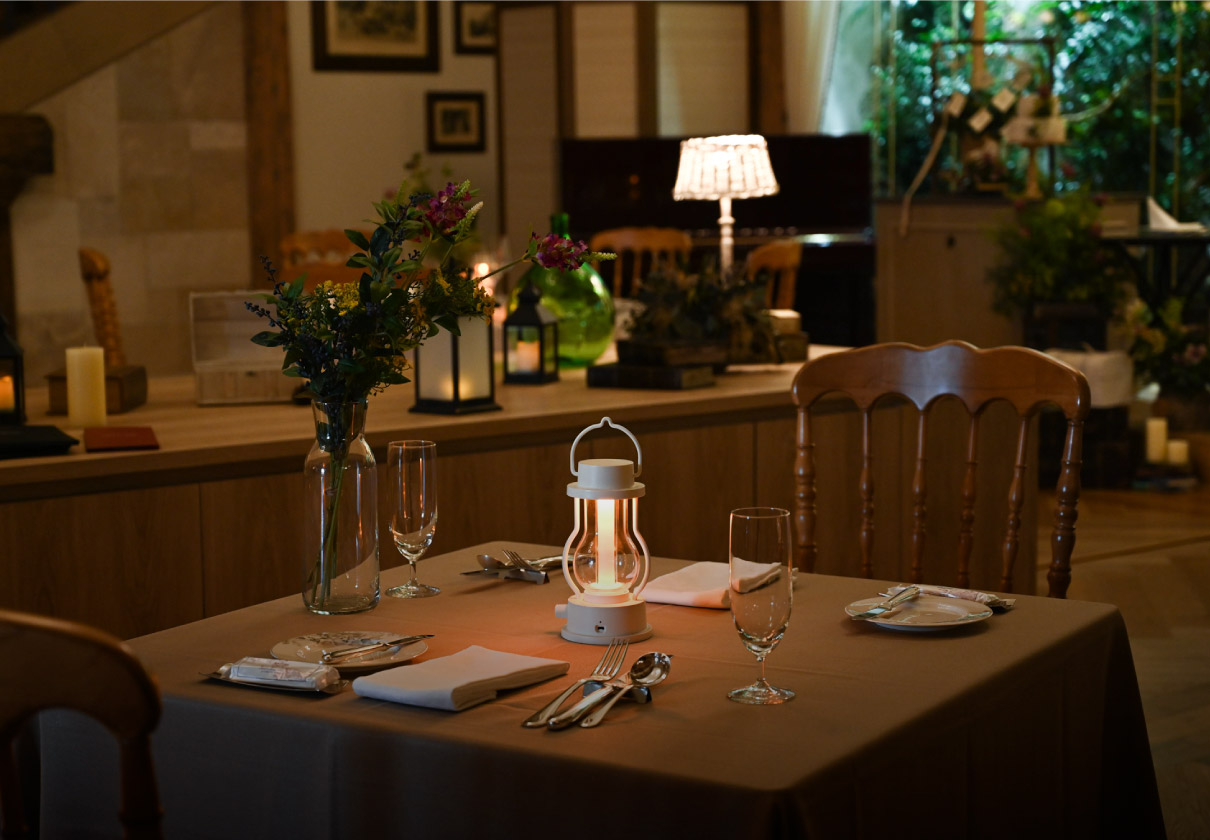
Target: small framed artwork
[474, 28]
[455, 122]
[385, 36]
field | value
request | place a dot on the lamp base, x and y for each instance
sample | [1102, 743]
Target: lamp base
[599, 624]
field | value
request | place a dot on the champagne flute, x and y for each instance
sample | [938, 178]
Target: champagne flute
[761, 590]
[413, 471]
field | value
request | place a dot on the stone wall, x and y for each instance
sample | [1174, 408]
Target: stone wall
[149, 170]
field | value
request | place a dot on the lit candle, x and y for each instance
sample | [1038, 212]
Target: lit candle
[1178, 452]
[527, 357]
[1157, 439]
[85, 387]
[8, 394]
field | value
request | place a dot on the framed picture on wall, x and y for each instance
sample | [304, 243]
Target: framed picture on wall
[455, 122]
[388, 36]
[474, 28]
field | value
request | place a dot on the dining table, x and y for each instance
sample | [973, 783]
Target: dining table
[1028, 723]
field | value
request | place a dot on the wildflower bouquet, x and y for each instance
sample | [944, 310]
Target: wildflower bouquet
[1168, 351]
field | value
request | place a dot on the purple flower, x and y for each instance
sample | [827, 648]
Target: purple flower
[1194, 353]
[444, 211]
[558, 253]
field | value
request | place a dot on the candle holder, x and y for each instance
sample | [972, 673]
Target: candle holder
[531, 341]
[605, 560]
[454, 371]
[12, 379]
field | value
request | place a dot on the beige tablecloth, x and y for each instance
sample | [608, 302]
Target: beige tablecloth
[1028, 724]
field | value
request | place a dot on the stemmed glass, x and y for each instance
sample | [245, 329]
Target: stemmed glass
[413, 471]
[761, 590]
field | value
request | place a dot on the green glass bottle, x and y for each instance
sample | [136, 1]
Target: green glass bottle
[579, 300]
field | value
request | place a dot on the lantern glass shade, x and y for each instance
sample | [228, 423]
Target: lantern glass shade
[12, 379]
[531, 341]
[453, 373]
[606, 560]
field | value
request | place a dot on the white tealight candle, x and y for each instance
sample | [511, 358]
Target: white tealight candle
[1157, 439]
[85, 387]
[1178, 452]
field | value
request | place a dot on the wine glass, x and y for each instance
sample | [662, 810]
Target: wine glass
[761, 590]
[413, 471]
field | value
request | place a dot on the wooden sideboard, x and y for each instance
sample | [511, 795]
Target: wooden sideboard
[138, 541]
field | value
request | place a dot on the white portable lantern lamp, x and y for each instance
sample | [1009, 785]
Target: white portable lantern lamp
[605, 560]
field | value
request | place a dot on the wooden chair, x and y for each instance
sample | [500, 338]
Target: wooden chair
[94, 267]
[1025, 378]
[642, 249]
[62, 664]
[780, 261]
[321, 255]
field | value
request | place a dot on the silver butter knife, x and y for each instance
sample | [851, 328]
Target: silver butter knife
[889, 604]
[363, 650]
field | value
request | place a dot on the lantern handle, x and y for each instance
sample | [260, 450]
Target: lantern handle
[605, 421]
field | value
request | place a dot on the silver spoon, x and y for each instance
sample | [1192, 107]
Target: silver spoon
[648, 670]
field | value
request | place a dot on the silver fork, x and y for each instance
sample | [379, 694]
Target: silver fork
[516, 559]
[607, 669]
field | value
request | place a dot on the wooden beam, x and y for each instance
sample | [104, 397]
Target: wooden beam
[269, 115]
[767, 75]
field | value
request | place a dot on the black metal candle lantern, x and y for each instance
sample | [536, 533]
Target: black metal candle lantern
[453, 373]
[531, 341]
[12, 379]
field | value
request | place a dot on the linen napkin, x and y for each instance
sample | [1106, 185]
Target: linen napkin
[281, 672]
[987, 598]
[707, 584]
[464, 679]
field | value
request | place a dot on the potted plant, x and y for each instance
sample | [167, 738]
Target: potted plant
[703, 318]
[1057, 272]
[1172, 353]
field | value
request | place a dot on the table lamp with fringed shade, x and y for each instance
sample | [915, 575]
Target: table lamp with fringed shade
[723, 168]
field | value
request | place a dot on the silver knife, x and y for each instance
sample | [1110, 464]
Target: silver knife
[889, 604]
[362, 650]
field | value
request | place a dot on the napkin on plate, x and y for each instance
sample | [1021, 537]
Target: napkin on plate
[706, 584]
[467, 678]
[281, 672]
[986, 598]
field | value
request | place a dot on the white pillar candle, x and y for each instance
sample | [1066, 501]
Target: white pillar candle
[85, 387]
[1157, 439]
[528, 360]
[8, 394]
[1178, 452]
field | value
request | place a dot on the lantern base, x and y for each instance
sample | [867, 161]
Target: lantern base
[599, 624]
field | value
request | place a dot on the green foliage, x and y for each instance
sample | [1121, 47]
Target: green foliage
[1052, 252]
[1168, 351]
[705, 307]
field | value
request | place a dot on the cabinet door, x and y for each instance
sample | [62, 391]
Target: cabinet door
[128, 562]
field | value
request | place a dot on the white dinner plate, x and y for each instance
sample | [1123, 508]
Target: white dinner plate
[926, 612]
[311, 648]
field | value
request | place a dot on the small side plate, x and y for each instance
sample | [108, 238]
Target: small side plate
[310, 648]
[925, 613]
[334, 688]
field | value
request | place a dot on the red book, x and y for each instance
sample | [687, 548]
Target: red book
[101, 438]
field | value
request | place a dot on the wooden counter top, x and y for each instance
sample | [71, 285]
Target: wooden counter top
[222, 442]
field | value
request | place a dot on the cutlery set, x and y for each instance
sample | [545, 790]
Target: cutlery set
[603, 688]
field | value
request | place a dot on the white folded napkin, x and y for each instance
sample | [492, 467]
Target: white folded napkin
[707, 584]
[986, 598]
[282, 672]
[464, 679]
[1158, 219]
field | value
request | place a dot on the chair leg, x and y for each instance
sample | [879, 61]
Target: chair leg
[1063, 538]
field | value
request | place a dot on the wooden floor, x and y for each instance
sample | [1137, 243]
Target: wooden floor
[1149, 553]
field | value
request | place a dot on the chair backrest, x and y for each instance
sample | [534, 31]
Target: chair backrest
[94, 268]
[1024, 378]
[65, 665]
[639, 250]
[780, 261]
[321, 255]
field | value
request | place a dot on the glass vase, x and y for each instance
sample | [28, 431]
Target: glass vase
[340, 541]
[583, 306]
